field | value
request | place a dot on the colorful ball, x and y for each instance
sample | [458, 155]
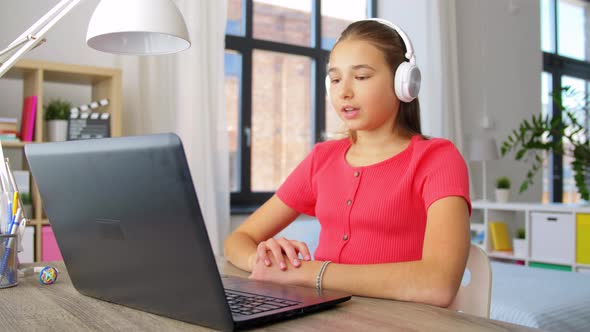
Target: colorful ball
[48, 275]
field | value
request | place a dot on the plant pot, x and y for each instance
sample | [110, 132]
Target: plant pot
[57, 130]
[520, 248]
[502, 195]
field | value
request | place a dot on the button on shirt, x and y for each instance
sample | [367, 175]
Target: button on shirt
[376, 213]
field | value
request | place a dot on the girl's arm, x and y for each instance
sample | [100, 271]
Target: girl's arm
[268, 220]
[433, 280]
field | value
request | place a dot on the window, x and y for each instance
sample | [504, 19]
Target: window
[566, 51]
[276, 53]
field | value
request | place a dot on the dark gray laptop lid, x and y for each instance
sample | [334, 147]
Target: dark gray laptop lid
[124, 231]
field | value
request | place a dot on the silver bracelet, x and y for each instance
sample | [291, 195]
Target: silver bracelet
[318, 279]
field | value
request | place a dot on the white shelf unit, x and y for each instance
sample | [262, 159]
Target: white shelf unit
[556, 243]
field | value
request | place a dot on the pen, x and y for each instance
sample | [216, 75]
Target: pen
[13, 208]
[8, 217]
[15, 221]
[4, 262]
[14, 203]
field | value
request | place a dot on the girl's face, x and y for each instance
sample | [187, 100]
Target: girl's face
[361, 87]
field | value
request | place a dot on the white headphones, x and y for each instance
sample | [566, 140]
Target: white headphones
[407, 75]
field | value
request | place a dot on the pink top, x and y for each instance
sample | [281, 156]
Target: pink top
[377, 213]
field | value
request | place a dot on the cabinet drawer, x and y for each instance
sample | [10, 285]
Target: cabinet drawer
[550, 266]
[583, 238]
[553, 237]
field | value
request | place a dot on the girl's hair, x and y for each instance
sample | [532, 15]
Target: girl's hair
[389, 42]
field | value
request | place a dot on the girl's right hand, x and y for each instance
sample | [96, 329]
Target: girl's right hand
[280, 248]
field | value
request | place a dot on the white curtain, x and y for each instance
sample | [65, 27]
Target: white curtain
[443, 39]
[450, 84]
[184, 94]
[431, 26]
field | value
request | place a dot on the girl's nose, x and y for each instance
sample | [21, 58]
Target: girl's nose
[345, 90]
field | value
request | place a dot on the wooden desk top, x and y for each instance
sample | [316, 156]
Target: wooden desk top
[32, 306]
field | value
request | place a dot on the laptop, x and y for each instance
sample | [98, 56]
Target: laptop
[127, 221]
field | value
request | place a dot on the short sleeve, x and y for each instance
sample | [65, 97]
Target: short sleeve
[446, 175]
[297, 191]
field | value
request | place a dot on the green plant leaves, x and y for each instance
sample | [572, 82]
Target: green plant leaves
[546, 133]
[57, 109]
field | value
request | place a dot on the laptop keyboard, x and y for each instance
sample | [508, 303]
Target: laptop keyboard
[242, 303]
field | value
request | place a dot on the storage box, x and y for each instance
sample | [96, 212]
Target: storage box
[583, 238]
[28, 242]
[50, 250]
[551, 266]
[553, 237]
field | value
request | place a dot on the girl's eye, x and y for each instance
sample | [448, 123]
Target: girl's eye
[362, 78]
[335, 80]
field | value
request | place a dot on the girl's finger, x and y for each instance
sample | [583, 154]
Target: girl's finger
[262, 252]
[303, 250]
[277, 252]
[290, 250]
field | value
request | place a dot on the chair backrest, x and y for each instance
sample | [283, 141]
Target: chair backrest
[475, 294]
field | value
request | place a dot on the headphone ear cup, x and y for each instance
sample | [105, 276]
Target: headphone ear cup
[407, 82]
[327, 81]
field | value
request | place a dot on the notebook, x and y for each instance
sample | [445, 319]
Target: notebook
[500, 238]
[127, 221]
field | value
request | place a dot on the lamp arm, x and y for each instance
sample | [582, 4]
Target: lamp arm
[16, 44]
[33, 35]
[4, 54]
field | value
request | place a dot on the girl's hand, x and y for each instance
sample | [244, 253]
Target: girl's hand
[304, 275]
[281, 248]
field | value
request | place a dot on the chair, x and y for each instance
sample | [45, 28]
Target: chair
[474, 295]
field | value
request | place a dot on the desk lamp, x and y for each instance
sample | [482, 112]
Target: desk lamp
[483, 149]
[134, 27]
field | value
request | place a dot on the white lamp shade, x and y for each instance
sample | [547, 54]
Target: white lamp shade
[481, 149]
[138, 27]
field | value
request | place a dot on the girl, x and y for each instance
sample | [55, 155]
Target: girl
[393, 205]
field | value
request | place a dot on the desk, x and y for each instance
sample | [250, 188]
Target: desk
[31, 306]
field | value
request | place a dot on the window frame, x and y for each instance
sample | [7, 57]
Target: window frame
[245, 200]
[558, 66]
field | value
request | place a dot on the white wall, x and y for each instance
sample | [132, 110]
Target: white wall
[510, 31]
[66, 43]
[510, 72]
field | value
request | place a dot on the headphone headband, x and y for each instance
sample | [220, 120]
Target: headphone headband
[409, 48]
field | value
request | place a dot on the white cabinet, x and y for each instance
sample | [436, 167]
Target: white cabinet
[550, 231]
[553, 237]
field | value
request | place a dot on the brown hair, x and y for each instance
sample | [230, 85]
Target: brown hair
[389, 42]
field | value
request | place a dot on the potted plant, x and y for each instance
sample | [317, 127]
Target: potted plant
[519, 244]
[562, 135]
[57, 113]
[502, 189]
[27, 205]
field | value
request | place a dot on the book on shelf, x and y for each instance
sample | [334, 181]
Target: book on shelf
[8, 124]
[9, 138]
[500, 237]
[27, 128]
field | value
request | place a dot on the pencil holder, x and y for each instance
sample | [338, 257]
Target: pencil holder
[8, 260]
